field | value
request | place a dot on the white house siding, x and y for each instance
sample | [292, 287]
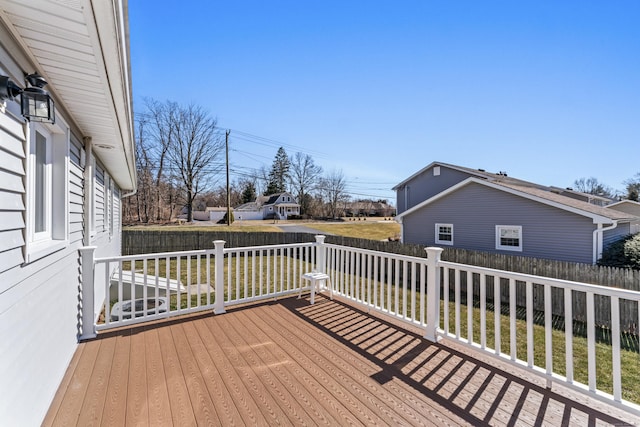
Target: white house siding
[475, 210]
[39, 299]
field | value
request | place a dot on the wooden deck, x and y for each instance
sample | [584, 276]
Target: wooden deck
[287, 362]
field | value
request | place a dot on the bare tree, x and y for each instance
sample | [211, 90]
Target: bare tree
[304, 177]
[633, 188]
[159, 131]
[592, 186]
[194, 146]
[333, 188]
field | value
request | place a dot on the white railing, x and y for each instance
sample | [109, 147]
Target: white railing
[141, 288]
[477, 307]
[507, 315]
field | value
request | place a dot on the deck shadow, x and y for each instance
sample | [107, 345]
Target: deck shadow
[474, 390]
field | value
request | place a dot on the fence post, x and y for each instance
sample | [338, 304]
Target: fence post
[87, 257]
[433, 293]
[218, 306]
[320, 254]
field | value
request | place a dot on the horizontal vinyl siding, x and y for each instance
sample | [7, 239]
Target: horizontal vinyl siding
[616, 234]
[12, 179]
[426, 185]
[475, 210]
[76, 203]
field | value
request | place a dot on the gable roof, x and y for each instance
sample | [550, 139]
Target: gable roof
[479, 173]
[624, 202]
[273, 198]
[599, 214]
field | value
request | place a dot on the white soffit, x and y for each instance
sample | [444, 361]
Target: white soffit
[81, 48]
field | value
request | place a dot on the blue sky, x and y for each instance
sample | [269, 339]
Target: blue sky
[547, 91]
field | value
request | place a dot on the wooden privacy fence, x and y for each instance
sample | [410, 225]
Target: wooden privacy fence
[143, 241]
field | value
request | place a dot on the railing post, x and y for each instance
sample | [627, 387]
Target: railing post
[433, 293]
[320, 254]
[218, 306]
[87, 257]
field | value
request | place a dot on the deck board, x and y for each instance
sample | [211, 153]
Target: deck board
[290, 363]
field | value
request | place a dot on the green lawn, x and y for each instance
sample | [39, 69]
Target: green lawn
[363, 230]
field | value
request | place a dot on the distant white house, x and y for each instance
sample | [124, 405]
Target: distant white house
[62, 181]
[274, 206]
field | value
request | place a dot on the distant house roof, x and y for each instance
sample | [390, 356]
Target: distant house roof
[599, 214]
[251, 206]
[273, 198]
[480, 173]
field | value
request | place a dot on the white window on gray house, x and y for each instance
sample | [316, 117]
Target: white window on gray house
[47, 184]
[436, 171]
[509, 237]
[444, 234]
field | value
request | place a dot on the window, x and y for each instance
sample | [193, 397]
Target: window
[444, 234]
[509, 237]
[47, 198]
[436, 171]
[42, 187]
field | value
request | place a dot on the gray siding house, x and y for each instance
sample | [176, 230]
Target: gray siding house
[495, 213]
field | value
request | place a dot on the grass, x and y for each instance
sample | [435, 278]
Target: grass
[362, 230]
[211, 228]
[373, 230]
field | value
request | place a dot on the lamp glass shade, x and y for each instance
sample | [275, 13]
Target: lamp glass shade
[37, 105]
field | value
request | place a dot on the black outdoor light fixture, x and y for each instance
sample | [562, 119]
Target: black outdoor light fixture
[36, 105]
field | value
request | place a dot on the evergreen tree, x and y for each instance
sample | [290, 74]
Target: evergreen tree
[279, 174]
[249, 193]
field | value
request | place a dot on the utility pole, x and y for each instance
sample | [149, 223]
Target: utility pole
[226, 142]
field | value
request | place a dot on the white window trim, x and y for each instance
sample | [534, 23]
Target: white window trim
[509, 248]
[56, 236]
[437, 235]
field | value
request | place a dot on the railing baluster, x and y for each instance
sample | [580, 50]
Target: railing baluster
[167, 274]
[107, 296]
[483, 311]
[548, 333]
[530, 343]
[396, 287]
[423, 293]
[369, 279]
[615, 351]
[245, 273]
[208, 272]
[189, 282]
[445, 306]
[375, 280]
[591, 342]
[156, 269]
[413, 291]
[237, 273]
[458, 302]
[469, 307]
[497, 310]
[404, 287]
[513, 349]
[178, 281]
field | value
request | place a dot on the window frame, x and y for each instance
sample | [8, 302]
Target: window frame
[500, 246]
[55, 235]
[437, 234]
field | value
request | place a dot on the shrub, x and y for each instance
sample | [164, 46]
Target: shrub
[623, 253]
[224, 219]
